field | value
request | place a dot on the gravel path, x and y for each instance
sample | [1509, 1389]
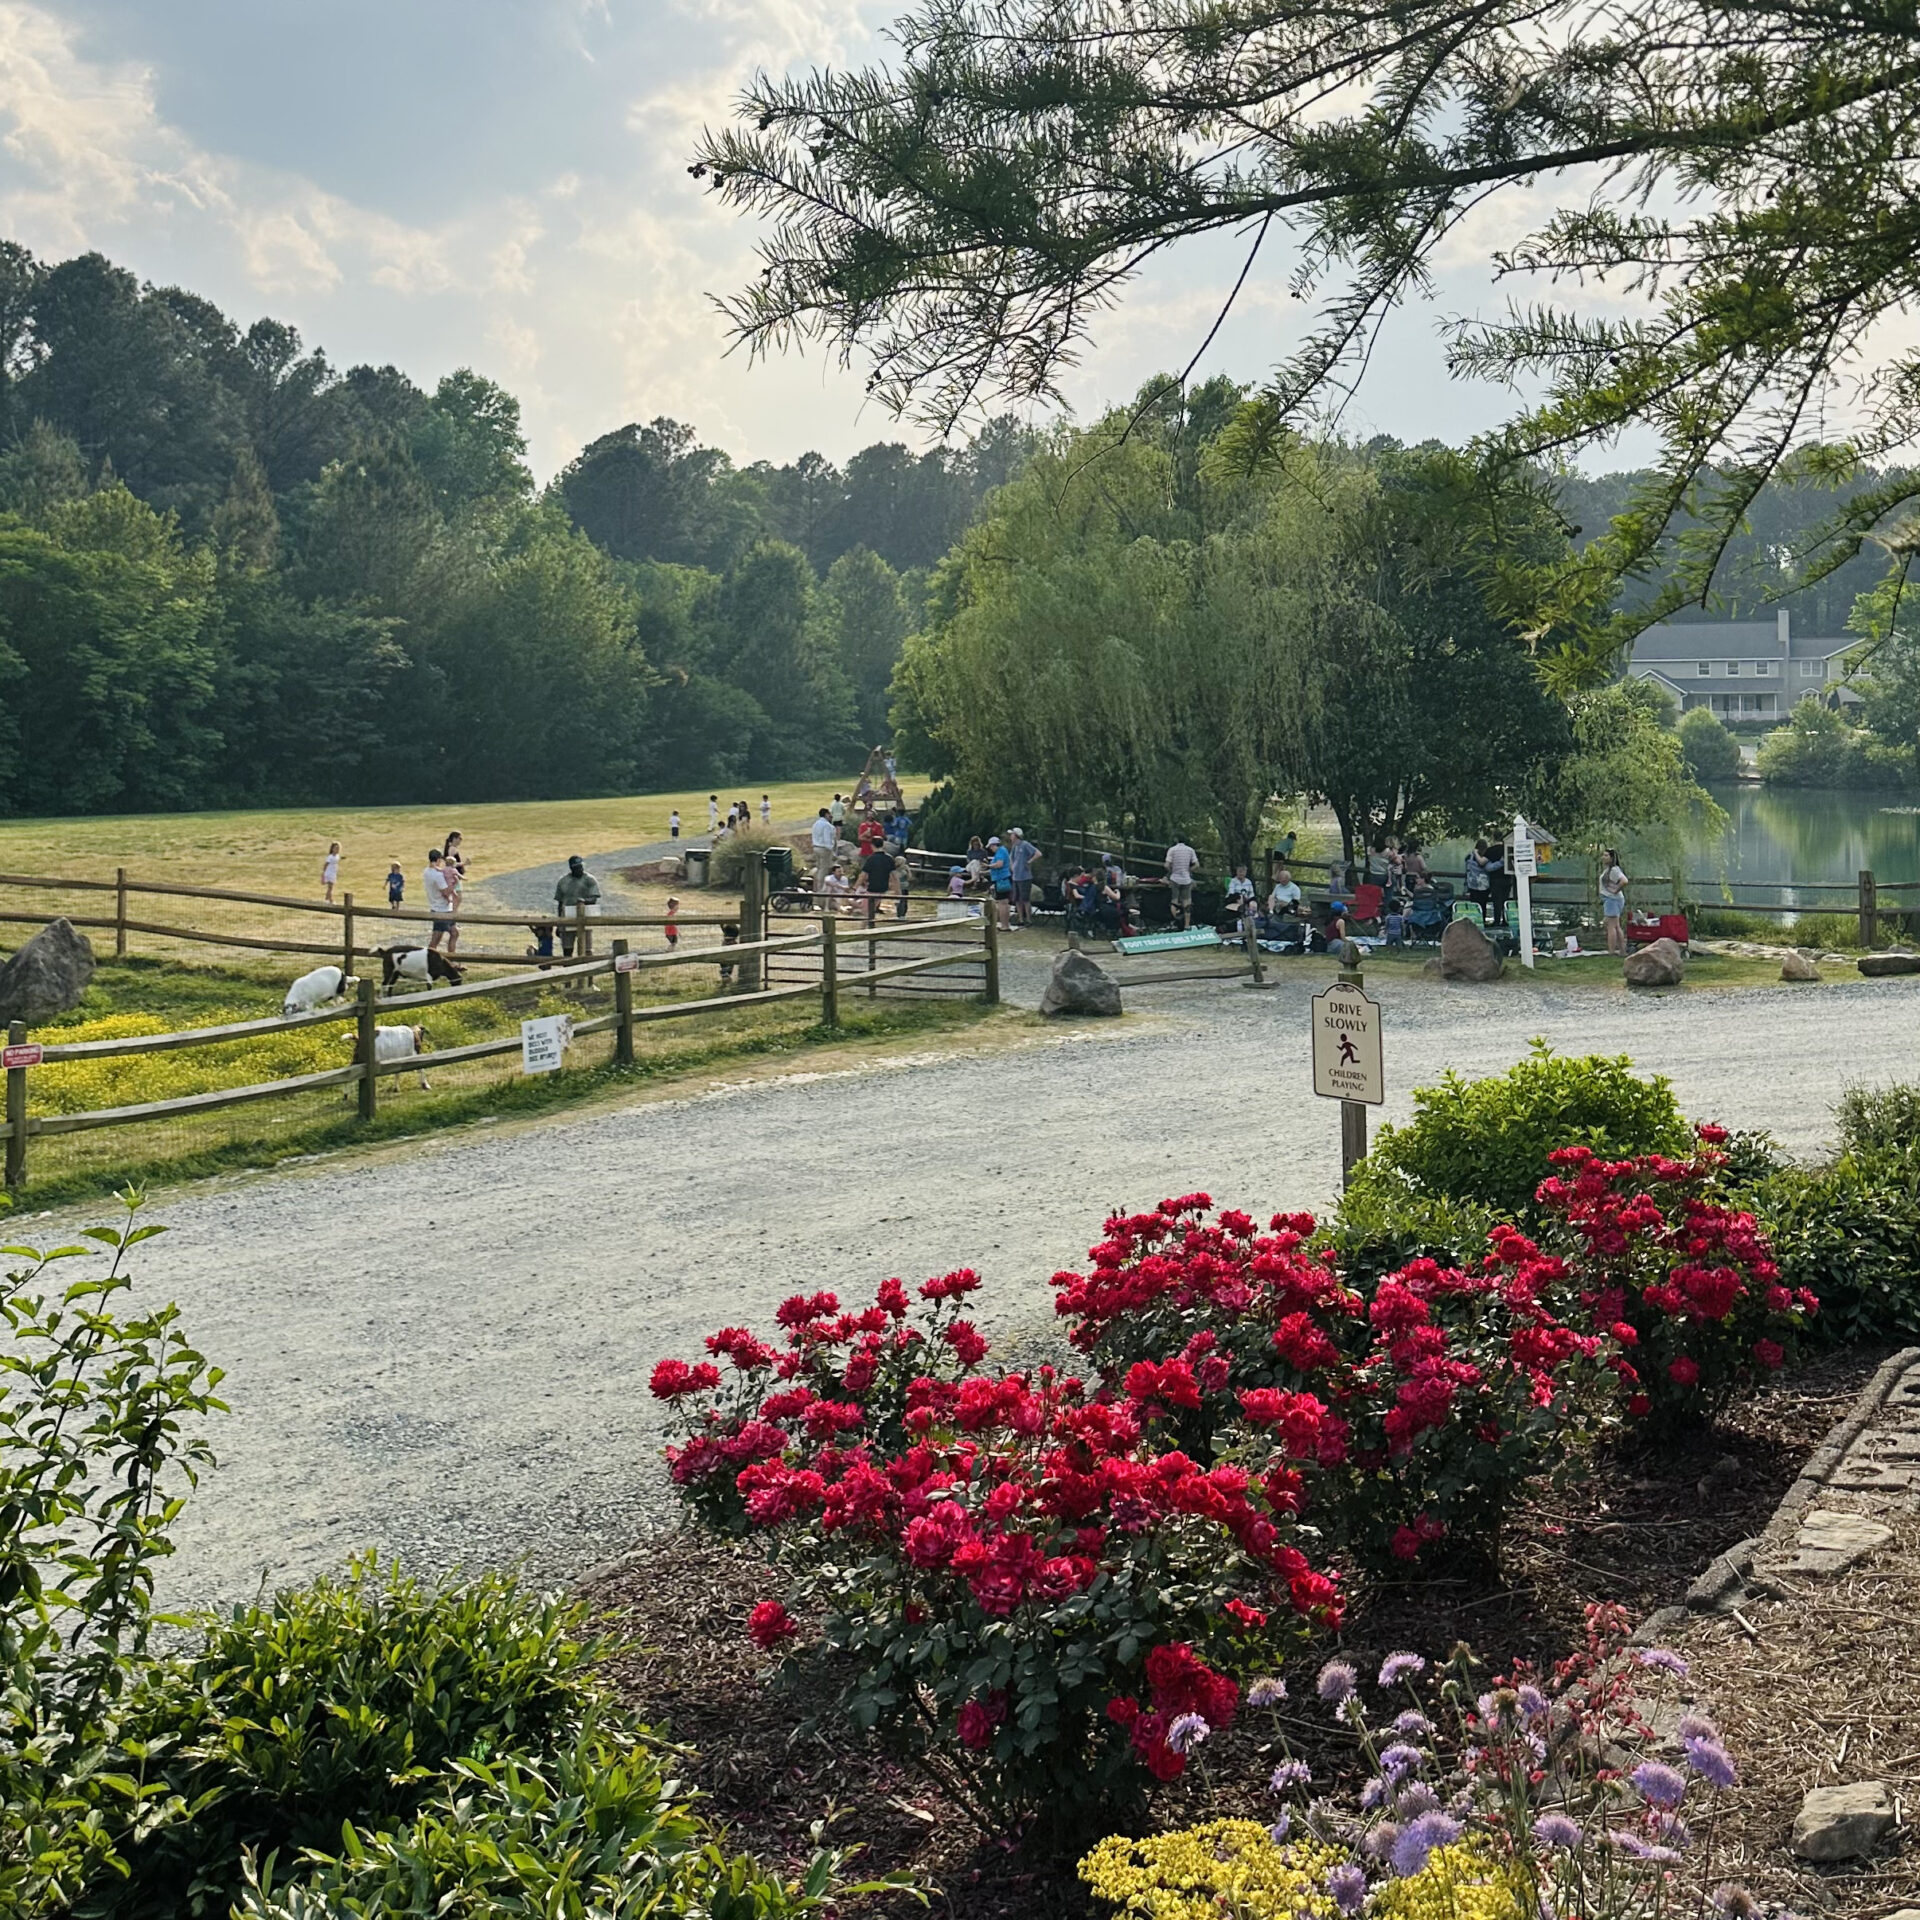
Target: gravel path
[445, 1354]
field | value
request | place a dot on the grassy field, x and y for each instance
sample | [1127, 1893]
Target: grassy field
[160, 995]
[279, 850]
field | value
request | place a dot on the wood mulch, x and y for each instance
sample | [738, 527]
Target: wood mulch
[1634, 1529]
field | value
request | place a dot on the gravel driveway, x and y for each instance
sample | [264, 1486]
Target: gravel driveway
[445, 1354]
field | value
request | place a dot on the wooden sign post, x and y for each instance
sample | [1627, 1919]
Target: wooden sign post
[1347, 1062]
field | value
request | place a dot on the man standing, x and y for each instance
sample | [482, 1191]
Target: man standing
[1181, 864]
[439, 893]
[1021, 854]
[878, 867]
[577, 888]
[826, 840]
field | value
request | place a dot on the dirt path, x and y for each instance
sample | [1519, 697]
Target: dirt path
[446, 1355]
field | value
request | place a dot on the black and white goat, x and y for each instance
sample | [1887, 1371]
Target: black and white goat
[409, 966]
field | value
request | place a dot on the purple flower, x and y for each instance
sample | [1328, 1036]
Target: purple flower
[1373, 1796]
[1347, 1888]
[1187, 1732]
[1277, 1833]
[1556, 1830]
[1419, 1838]
[1400, 1666]
[1416, 1800]
[1712, 1762]
[1662, 1661]
[1380, 1840]
[1411, 1725]
[1658, 1784]
[1696, 1726]
[1401, 1759]
[1290, 1774]
[1671, 1829]
[1268, 1691]
[1533, 1703]
[1637, 1849]
[1336, 1683]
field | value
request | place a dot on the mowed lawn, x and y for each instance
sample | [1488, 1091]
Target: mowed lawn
[278, 850]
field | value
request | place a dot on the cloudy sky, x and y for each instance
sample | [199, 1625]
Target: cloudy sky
[502, 184]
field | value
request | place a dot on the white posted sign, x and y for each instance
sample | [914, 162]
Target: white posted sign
[543, 1043]
[1346, 1045]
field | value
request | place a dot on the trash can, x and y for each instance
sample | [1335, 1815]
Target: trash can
[697, 866]
[779, 865]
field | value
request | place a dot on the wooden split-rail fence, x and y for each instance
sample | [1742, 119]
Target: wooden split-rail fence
[823, 955]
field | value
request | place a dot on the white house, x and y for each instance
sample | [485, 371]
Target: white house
[1744, 669]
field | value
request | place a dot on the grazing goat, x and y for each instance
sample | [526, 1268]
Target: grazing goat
[400, 1043]
[399, 965]
[317, 989]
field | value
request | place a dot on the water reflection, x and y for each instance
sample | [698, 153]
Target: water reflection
[1809, 836]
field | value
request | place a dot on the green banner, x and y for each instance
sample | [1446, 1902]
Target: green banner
[1160, 942]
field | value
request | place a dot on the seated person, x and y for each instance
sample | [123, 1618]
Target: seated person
[1239, 893]
[1331, 935]
[1413, 865]
[1283, 903]
[833, 884]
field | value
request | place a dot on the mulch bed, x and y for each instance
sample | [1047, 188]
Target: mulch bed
[1632, 1528]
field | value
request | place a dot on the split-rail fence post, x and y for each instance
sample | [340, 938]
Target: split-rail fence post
[16, 1113]
[364, 1048]
[622, 1007]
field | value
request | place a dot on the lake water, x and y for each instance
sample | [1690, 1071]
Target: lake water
[1808, 836]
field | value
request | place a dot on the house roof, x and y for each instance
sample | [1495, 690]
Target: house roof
[1732, 640]
[1643, 672]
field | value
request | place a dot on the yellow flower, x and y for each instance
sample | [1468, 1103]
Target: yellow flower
[1461, 1882]
[1223, 1868]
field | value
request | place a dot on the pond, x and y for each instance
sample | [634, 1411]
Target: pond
[1807, 836]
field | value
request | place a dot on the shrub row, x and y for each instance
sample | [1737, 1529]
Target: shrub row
[1035, 1576]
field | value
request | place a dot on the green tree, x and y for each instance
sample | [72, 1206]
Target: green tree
[1708, 751]
[962, 217]
[1821, 748]
[468, 446]
[864, 621]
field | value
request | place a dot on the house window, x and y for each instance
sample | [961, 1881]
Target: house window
[1733, 666]
[1706, 667]
[1766, 703]
[1763, 668]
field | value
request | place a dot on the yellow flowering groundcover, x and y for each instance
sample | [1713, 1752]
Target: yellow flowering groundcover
[123, 1080]
[1199, 1873]
[1460, 1882]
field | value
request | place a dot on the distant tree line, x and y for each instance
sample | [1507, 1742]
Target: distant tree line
[233, 575]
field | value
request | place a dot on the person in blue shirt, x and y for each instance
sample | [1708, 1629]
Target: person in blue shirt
[1000, 872]
[1020, 857]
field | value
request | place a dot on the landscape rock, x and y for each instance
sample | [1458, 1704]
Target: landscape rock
[1661, 964]
[655, 871]
[1832, 1542]
[1798, 965]
[1467, 954]
[1879, 966]
[47, 976]
[1723, 1586]
[1842, 1823]
[1079, 985]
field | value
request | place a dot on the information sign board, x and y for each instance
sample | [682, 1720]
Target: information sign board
[543, 1043]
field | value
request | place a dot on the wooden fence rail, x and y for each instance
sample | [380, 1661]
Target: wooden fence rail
[741, 960]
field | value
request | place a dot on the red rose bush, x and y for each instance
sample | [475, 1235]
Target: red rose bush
[1032, 1582]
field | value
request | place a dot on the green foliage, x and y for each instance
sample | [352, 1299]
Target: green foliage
[1486, 1141]
[1707, 750]
[734, 852]
[1850, 1233]
[95, 1460]
[1382, 1224]
[1829, 931]
[1820, 748]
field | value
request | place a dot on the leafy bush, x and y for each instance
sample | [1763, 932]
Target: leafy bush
[1731, 923]
[1850, 1231]
[1488, 1141]
[341, 1702]
[1707, 750]
[734, 852]
[94, 1463]
[1028, 1582]
[1381, 1225]
[1480, 1803]
[1820, 748]
[1835, 931]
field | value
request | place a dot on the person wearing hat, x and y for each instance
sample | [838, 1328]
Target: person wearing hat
[1021, 854]
[576, 888]
[1000, 872]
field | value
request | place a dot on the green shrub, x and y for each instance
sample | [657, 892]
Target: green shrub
[1382, 1224]
[340, 1702]
[1729, 923]
[1486, 1141]
[1880, 1120]
[1841, 930]
[734, 852]
[595, 1830]
[1707, 750]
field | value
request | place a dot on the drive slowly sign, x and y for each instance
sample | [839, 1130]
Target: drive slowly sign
[1346, 1045]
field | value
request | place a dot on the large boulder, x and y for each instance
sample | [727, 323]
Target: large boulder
[662, 872]
[1079, 985]
[1878, 966]
[1798, 964]
[47, 976]
[1467, 954]
[1662, 963]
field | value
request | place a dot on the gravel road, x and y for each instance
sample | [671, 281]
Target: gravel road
[444, 1353]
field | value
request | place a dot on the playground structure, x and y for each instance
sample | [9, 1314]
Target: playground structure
[877, 791]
